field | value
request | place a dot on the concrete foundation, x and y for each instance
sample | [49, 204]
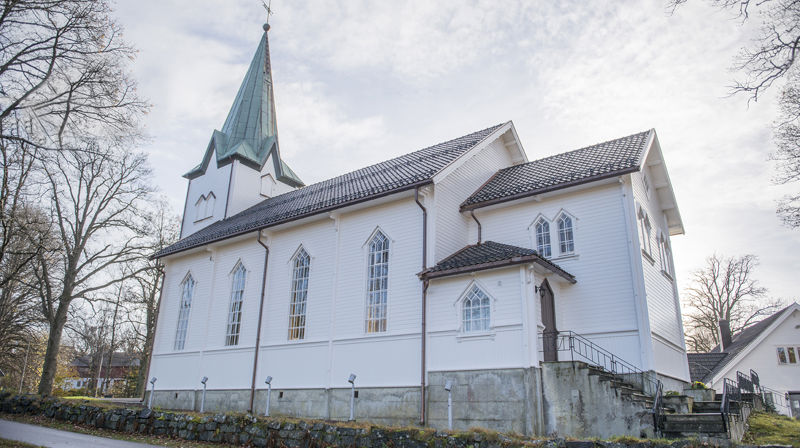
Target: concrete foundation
[506, 400]
[561, 398]
[578, 404]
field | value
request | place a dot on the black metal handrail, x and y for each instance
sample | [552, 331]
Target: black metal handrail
[595, 355]
[756, 382]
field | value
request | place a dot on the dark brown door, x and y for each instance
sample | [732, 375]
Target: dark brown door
[550, 333]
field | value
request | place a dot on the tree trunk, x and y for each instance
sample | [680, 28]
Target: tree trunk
[141, 378]
[53, 346]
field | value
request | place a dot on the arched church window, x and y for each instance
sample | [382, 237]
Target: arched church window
[377, 283]
[476, 311]
[235, 310]
[187, 291]
[299, 295]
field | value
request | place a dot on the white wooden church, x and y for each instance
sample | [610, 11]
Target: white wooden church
[447, 263]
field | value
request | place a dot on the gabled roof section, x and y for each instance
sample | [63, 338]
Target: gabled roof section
[392, 176]
[746, 340]
[600, 161]
[250, 132]
[701, 364]
[490, 255]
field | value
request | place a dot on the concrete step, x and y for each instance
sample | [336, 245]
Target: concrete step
[707, 423]
[700, 407]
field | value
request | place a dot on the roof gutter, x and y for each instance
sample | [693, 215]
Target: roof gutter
[423, 331]
[260, 317]
[477, 205]
[298, 217]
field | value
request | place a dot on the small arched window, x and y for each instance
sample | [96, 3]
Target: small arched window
[299, 294]
[187, 291]
[542, 230]
[566, 240]
[235, 310]
[211, 199]
[476, 312]
[377, 283]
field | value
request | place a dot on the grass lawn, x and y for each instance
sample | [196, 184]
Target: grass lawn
[65, 426]
[772, 429]
[5, 443]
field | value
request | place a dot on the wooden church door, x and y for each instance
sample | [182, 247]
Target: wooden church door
[550, 333]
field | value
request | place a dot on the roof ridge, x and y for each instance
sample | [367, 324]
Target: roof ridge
[585, 148]
[308, 188]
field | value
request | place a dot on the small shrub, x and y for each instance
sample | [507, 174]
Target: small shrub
[697, 385]
[672, 393]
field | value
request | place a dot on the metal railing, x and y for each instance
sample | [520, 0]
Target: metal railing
[582, 349]
[730, 394]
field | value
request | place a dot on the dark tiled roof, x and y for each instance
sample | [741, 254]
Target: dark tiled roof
[739, 342]
[701, 364]
[119, 359]
[583, 165]
[384, 178]
[488, 255]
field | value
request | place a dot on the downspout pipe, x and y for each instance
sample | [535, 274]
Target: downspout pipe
[472, 213]
[260, 317]
[424, 307]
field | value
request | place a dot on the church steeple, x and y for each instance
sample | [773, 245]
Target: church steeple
[250, 132]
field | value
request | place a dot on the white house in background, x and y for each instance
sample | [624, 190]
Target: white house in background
[447, 262]
[770, 347]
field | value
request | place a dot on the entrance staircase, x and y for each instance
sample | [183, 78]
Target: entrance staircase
[725, 417]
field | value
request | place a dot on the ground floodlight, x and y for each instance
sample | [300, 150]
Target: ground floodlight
[204, 379]
[203, 400]
[152, 392]
[269, 394]
[448, 385]
[352, 381]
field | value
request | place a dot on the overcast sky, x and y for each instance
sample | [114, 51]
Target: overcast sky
[358, 82]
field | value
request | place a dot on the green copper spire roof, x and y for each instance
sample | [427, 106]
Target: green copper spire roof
[250, 132]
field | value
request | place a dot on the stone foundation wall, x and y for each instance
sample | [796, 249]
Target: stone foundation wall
[246, 430]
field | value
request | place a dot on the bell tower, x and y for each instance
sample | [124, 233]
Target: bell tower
[242, 164]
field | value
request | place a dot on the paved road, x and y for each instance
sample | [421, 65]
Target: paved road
[55, 438]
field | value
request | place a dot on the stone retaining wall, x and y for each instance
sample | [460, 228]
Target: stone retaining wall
[246, 430]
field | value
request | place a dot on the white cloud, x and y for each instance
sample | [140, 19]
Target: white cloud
[362, 81]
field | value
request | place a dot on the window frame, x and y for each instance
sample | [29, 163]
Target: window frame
[184, 312]
[298, 332]
[563, 215]
[234, 321]
[543, 222]
[790, 352]
[384, 327]
[462, 309]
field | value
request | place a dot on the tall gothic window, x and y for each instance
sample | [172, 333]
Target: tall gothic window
[542, 228]
[566, 240]
[235, 311]
[476, 311]
[187, 291]
[299, 294]
[377, 283]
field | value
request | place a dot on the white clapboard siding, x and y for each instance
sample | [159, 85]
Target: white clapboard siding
[450, 348]
[601, 303]
[450, 224]
[214, 180]
[663, 306]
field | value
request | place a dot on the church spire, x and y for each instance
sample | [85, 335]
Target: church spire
[252, 116]
[250, 132]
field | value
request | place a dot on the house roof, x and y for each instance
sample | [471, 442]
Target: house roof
[701, 364]
[392, 176]
[250, 132]
[603, 160]
[490, 255]
[739, 342]
[117, 360]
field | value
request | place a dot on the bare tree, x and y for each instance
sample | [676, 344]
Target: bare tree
[63, 71]
[95, 196]
[723, 289]
[161, 231]
[771, 58]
